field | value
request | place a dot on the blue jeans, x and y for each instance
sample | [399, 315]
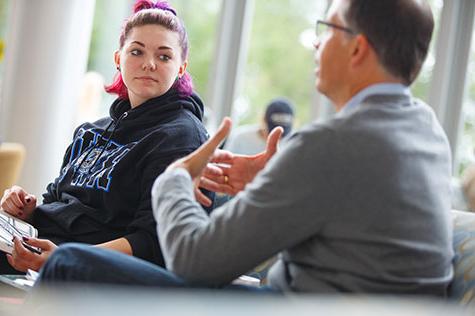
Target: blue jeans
[79, 263]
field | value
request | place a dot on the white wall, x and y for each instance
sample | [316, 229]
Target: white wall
[46, 58]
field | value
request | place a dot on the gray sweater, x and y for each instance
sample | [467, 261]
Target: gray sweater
[357, 204]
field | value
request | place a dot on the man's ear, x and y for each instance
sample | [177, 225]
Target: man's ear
[360, 49]
[182, 69]
[117, 59]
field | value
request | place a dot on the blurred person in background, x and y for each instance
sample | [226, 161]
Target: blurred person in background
[251, 139]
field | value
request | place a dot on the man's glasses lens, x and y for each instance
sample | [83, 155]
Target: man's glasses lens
[321, 29]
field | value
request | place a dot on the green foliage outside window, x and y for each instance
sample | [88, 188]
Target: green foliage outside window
[466, 144]
[421, 86]
[278, 62]
[200, 18]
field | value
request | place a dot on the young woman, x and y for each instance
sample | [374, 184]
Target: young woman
[102, 195]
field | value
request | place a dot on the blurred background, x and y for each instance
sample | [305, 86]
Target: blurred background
[56, 56]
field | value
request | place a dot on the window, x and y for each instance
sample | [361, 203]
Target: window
[281, 58]
[200, 18]
[466, 144]
[421, 86]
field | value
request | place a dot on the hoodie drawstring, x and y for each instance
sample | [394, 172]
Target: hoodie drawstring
[124, 115]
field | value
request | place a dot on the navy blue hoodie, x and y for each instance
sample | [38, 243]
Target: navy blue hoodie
[103, 191]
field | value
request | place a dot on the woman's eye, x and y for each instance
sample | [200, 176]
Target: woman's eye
[135, 52]
[164, 57]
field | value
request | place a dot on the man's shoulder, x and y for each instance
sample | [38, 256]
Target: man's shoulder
[383, 103]
[378, 116]
[375, 122]
[314, 135]
[399, 108]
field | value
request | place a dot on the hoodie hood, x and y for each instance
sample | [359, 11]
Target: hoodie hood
[151, 112]
[159, 106]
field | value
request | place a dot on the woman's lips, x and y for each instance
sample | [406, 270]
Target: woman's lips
[145, 78]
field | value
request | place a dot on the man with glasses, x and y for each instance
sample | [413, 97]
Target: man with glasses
[356, 204]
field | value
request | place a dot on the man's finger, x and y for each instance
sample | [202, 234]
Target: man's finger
[212, 171]
[201, 198]
[273, 140]
[209, 185]
[222, 156]
[215, 186]
[208, 148]
[197, 160]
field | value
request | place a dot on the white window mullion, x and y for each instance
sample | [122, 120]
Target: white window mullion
[230, 57]
[452, 54]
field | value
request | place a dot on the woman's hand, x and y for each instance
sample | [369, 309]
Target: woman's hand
[17, 202]
[23, 259]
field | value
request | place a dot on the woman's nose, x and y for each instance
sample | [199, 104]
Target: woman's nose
[150, 64]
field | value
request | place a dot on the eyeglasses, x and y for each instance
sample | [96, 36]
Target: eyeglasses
[322, 28]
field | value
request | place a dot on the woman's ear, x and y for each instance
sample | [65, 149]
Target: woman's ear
[117, 59]
[182, 69]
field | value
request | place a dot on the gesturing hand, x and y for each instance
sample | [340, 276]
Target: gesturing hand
[195, 162]
[229, 173]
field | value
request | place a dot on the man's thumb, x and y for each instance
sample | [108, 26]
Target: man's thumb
[273, 140]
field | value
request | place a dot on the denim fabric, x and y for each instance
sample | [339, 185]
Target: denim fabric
[79, 263]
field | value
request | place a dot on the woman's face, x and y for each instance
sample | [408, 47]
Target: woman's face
[149, 62]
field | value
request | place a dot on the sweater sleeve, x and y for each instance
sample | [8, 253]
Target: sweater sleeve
[272, 214]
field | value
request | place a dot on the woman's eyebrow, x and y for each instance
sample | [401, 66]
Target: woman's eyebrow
[138, 43]
[164, 47]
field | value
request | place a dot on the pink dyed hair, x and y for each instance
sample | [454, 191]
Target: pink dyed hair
[160, 13]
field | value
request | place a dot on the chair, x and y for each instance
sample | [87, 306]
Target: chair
[462, 288]
[11, 162]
